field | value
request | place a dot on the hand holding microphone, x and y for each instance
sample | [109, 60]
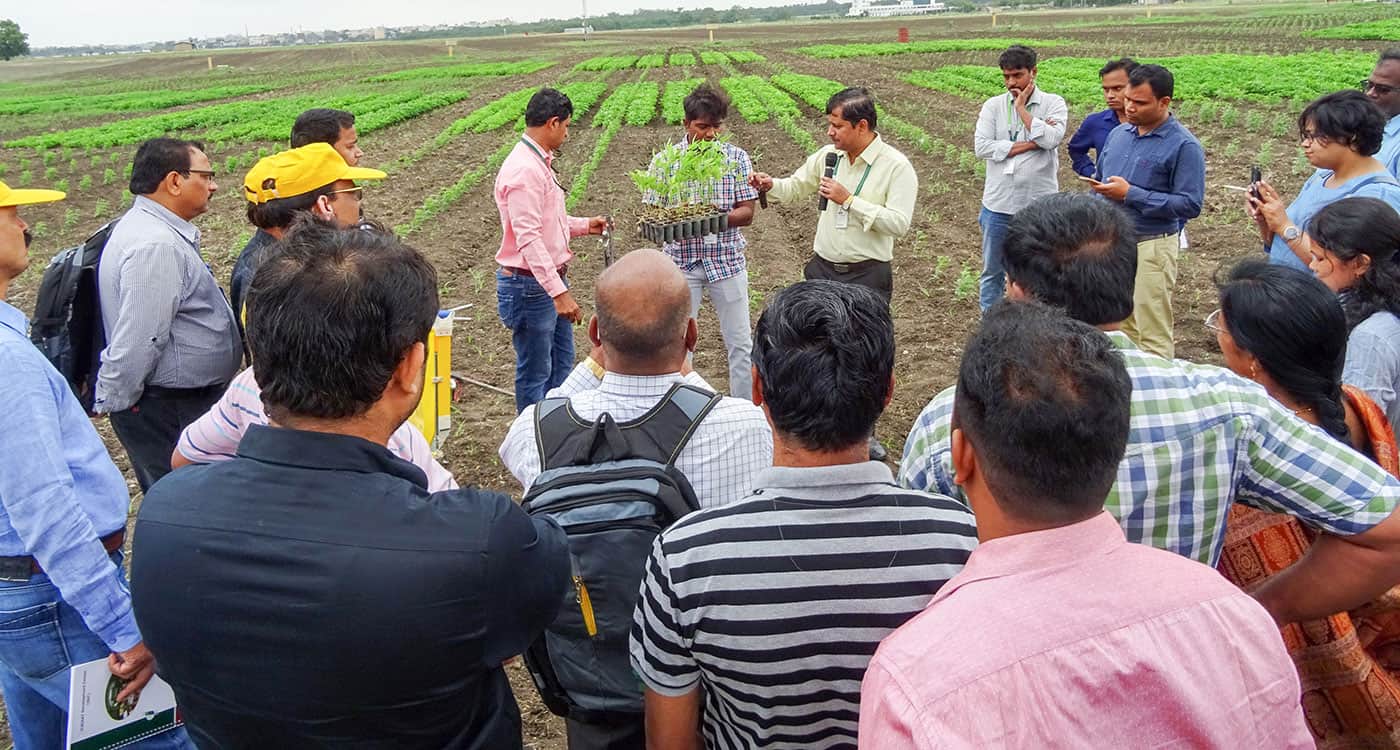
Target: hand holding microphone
[828, 176]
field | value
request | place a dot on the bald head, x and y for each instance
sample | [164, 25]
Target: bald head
[643, 306]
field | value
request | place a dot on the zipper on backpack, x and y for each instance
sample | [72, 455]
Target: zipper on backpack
[585, 603]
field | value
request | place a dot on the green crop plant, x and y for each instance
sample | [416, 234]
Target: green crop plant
[1266, 153]
[711, 57]
[25, 178]
[60, 185]
[676, 168]
[813, 90]
[1254, 121]
[745, 56]
[682, 59]
[468, 70]
[50, 174]
[673, 99]
[100, 210]
[73, 165]
[966, 283]
[651, 61]
[839, 51]
[606, 63]
[610, 118]
[75, 105]
[441, 200]
[70, 218]
[641, 110]
[1228, 116]
[85, 182]
[1281, 126]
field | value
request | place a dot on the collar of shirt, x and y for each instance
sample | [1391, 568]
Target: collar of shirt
[823, 477]
[185, 229]
[870, 154]
[1065, 546]
[617, 384]
[1120, 340]
[324, 450]
[1108, 117]
[1168, 125]
[1035, 100]
[13, 318]
[548, 154]
[1392, 127]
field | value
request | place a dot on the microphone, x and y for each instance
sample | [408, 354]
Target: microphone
[830, 171]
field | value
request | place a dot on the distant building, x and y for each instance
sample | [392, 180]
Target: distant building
[885, 8]
[379, 33]
[184, 46]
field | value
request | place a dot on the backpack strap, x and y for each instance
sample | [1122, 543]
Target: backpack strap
[693, 404]
[1374, 178]
[563, 438]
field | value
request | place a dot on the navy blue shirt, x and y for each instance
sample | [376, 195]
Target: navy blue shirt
[1091, 135]
[244, 269]
[1166, 169]
[312, 593]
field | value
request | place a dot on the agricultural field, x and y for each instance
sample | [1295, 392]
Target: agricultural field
[442, 125]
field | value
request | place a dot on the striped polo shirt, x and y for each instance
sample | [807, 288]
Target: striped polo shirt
[776, 603]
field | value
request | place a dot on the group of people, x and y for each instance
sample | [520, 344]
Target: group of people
[1045, 568]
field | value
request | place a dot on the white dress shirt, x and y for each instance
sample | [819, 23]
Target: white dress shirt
[1013, 183]
[731, 445]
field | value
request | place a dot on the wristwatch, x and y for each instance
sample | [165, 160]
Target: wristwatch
[1291, 232]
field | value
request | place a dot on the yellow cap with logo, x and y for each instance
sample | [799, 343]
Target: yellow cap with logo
[299, 171]
[12, 197]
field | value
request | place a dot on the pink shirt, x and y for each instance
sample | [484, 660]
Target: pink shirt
[215, 436]
[1072, 637]
[535, 227]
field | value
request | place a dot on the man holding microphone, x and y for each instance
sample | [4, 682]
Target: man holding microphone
[867, 191]
[532, 294]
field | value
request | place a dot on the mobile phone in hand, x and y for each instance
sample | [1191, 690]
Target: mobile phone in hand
[1255, 175]
[1087, 179]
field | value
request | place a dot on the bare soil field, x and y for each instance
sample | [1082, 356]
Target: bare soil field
[934, 310]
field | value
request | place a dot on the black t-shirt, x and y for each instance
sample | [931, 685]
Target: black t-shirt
[312, 593]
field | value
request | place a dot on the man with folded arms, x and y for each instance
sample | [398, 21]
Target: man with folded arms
[63, 506]
[1059, 632]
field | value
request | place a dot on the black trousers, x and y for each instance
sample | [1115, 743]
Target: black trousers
[876, 275]
[150, 429]
[622, 732]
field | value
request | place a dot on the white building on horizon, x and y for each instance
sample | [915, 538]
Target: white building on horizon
[882, 9]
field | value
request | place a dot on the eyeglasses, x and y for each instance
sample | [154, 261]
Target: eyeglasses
[1212, 322]
[1314, 136]
[356, 192]
[208, 174]
[1381, 88]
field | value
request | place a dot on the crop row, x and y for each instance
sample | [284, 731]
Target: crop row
[1388, 29]
[467, 70]
[652, 61]
[838, 51]
[657, 60]
[758, 100]
[607, 62]
[611, 115]
[133, 101]
[249, 120]
[673, 99]
[441, 200]
[682, 59]
[1252, 78]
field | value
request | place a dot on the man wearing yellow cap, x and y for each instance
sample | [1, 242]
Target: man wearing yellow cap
[311, 179]
[61, 530]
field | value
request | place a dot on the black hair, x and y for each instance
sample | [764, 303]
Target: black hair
[1017, 57]
[706, 101]
[1390, 53]
[1346, 117]
[547, 103]
[157, 158]
[1125, 64]
[331, 314]
[1358, 226]
[1294, 325]
[1046, 403]
[1076, 252]
[853, 105]
[279, 213]
[824, 352]
[1158, 77]
[320, 126]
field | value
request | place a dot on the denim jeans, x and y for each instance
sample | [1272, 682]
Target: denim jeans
[41, 636]
[992, 283]
[544, 342]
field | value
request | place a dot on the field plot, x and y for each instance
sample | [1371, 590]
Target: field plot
[441, 127]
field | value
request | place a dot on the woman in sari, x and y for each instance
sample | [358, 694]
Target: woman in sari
[1284, 329]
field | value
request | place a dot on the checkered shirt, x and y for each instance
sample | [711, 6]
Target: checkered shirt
[722, 255]
[721, 460]
[1200, 438]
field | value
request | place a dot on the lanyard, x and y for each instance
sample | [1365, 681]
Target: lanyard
[1013, 123]
[861, 184]
[536, 151]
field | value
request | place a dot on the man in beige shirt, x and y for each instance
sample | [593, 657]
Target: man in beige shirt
[869, 199]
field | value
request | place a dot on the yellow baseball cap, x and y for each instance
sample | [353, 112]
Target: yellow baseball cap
[10, 197]
[298, 171]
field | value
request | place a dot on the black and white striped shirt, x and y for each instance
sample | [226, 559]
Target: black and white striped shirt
[775, 604]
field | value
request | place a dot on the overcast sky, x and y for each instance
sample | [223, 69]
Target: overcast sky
[74, 22]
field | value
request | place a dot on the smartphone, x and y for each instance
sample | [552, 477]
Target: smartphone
[1255, 175]
[1089, 180]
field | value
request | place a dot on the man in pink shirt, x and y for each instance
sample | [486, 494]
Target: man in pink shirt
[532, 294]
[1058, 632]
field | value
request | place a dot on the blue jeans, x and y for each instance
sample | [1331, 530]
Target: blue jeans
[41, 636]
[992, 283]
[544, 342]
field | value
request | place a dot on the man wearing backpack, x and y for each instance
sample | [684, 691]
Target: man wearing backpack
[62, 524]
[623, 401]
[172, 341]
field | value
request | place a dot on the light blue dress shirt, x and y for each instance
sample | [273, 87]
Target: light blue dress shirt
[59, 491]
[1314, 195]
[1166, 169]
[1389, 155]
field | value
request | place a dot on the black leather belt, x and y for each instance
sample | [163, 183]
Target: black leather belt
[160, 391]
[24, 567]
[513, 271]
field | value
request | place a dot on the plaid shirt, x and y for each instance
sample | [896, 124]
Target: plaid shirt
[721, 254]
[1201, 437]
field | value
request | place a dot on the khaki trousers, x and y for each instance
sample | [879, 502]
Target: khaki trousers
[1151, 324]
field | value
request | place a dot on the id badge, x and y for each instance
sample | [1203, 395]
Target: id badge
[842, 218]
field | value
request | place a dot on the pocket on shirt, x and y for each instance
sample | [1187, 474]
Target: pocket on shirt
[31, 643]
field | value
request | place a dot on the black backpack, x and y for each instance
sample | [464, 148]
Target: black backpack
[613, 488]
[67, 324]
